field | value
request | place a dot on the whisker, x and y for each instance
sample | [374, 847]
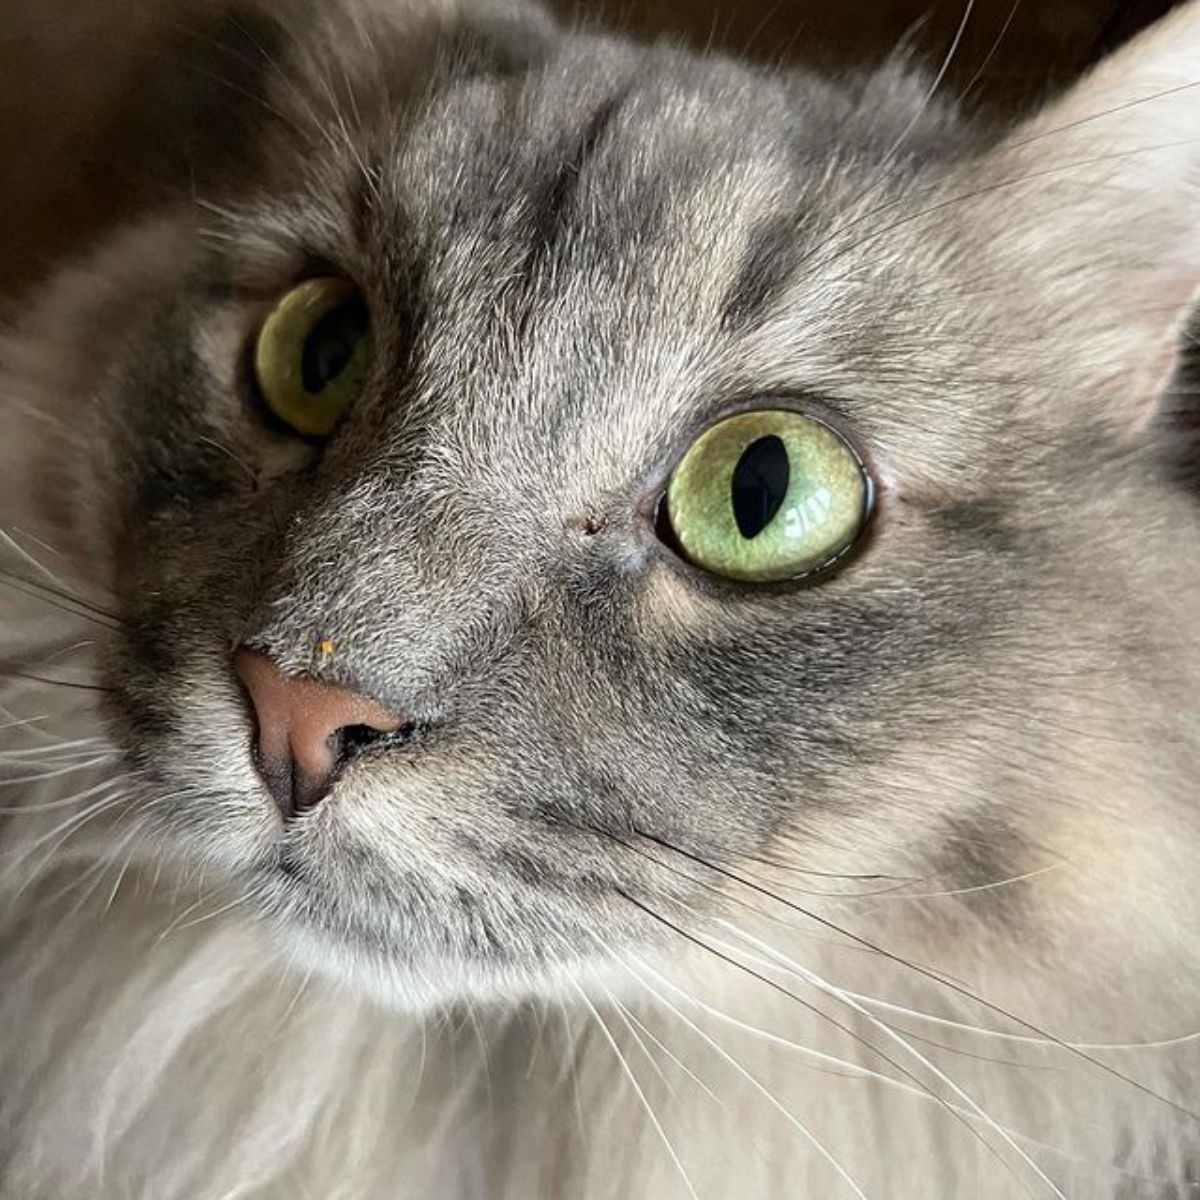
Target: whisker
[208, 916]
[25, 722]
[624, 1015]
[64, 748]
[840, 251]
[831, 1020]
[1020, 1038]
[631, 1016]
[828, 1064]
[981, 70]
[777, 920]
[641, 1095]
[62, 598]
[131, 837]
[569, 1071]
[892, 895]
[968, 9]
[752, 1079]
[816, 980]
[628, 1016]
[40, 776]
[251, 473]
[33, 677]
[181, 917]
[96, 873]
[1107, 112]
[924, 972]
[111, 795]
[25, 556]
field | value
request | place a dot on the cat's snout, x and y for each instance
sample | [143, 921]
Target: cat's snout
[302, 727]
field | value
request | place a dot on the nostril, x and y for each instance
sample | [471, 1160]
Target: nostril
[305, 729]
[357, 738]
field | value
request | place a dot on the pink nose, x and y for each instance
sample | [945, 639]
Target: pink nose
[301, 729]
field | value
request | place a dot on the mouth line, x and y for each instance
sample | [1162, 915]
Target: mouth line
[288, 864]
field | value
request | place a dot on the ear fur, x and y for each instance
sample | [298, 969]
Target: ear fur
[1103, 195]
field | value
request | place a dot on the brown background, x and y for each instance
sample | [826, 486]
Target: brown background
[66, 67]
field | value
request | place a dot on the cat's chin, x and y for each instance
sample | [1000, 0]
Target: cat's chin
[410, 953]
[422, 982]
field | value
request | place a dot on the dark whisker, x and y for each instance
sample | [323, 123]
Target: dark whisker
[869, 1046]
[60, 598]
[927, 973]
[1108, 112]
[761, 912]
[778, 865]
[67, 683]
[839, 252]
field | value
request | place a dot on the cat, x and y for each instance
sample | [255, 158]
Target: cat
[584, 620]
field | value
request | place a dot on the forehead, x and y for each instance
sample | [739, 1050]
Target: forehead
[620, 240]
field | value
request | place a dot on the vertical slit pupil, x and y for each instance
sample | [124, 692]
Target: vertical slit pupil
[330, 345]
[760, 483]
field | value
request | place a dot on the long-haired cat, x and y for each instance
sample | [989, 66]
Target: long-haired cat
[585, 621]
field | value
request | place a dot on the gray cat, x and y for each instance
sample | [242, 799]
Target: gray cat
[586, 621]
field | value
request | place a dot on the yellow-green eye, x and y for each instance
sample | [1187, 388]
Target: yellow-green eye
[312, 354]
[767, 495]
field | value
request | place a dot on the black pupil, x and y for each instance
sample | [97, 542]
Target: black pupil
[760, 482]
[330, 345]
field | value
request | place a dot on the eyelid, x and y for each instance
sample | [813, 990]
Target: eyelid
[655, 480]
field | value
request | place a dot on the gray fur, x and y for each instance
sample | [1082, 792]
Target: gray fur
[972, 747]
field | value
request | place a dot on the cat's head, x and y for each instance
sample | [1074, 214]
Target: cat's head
[629, 470]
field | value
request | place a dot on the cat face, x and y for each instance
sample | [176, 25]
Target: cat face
[574, 258]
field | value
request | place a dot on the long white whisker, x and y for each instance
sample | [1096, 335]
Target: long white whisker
[25, 556]
[40, 776]
[895, 895]
[824, 985]
[628, 1016]
[109, 792]
[631, 1016]
[750, 1078]
[927, 99]
[641, 1095]
[623, 1013]
[1019, 1038]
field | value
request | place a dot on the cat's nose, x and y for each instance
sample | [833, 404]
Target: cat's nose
[302, 729]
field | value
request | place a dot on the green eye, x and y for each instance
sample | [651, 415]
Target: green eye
[767, 495]
[312, 354]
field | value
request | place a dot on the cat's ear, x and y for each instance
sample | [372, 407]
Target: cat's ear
[1102, 191]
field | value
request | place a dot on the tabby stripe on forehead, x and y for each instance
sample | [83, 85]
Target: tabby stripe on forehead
[554, 200]
[766, 269]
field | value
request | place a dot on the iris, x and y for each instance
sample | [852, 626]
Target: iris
[766, 495]
[312, 354]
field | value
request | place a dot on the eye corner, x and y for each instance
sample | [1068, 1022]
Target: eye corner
[663, 529]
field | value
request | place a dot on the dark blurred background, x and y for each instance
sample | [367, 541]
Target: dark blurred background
[71, 76]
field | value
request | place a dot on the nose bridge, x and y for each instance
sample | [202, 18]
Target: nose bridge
[398, 583]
